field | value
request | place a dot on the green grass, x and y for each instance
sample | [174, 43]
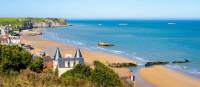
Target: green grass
[12, 21]
[28, 78]
[39, 19]
[21, 21]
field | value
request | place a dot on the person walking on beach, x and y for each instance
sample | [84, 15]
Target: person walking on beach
[132, 77]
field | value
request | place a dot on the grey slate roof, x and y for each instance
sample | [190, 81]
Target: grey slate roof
[61, 61]
[57, 54]
[78, 54]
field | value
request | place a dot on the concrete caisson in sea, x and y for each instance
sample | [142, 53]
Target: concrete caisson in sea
[105, 44]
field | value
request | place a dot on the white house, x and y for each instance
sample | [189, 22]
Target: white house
[15, 39]
[6, 39]
[66, 63]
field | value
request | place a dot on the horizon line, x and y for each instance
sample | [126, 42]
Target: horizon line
[111, 18]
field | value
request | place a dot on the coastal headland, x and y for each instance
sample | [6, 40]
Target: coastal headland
[30, 22]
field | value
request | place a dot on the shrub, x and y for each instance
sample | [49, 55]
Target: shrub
[37, 65]
[80, 71]
[101, 75]
[104, 76]
[13, 58]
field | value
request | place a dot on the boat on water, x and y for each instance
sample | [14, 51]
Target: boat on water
[171, 23]
[123, 24]
[105, 44]
[99, 24]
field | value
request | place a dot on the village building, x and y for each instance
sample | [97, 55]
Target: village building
[15, 39]
[8, 28]
[64, 64]
[4, 38]
[48, 62]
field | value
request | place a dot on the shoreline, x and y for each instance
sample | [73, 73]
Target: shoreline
[49, 47]
[147, 74]
[124, 54]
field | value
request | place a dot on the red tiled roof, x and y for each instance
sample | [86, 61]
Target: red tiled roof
[4, 38]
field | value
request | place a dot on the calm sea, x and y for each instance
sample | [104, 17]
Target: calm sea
[141, 40]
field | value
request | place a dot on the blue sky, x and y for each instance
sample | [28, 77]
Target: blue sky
[102, 9]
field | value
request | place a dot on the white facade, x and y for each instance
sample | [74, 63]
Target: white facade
[66, 63]
[15, 39]
[6, 39]
[62, 70]
[68, 66]
[55, 64]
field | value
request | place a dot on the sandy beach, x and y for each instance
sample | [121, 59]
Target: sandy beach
[50, 47]
[157, 76]
[164, 77]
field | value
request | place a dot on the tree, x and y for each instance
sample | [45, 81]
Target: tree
[37, 65]
[80, 71]
[104, 76]
[101, 75]
[13, 58]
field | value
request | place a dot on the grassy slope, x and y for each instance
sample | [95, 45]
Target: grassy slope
[20, 21]
[12, 21]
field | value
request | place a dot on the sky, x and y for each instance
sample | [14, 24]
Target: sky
[102, 9]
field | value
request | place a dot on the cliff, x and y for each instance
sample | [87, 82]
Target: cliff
[33, 22]
[48, 22]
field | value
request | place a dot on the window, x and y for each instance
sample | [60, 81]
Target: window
[68, 64]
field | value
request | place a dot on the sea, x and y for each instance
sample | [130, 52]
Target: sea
[140, 40]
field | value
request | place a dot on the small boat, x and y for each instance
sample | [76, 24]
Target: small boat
[171, 23]
[105, 44]
[123, 24]
[99, 24]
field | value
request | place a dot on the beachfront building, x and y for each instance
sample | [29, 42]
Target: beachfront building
[4, 38]
[8, 28]
[66, 63]
[15, 39]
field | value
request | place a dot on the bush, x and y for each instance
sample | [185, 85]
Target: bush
[101, 75]
[13, 58]
[80, 71]
[37, 65]
[70, 81]
[104, 76]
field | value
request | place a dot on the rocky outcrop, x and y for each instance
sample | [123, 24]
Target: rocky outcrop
[49, 22]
